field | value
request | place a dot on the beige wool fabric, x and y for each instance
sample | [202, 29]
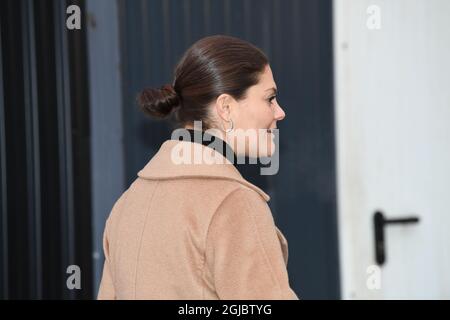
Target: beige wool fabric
[193, 231]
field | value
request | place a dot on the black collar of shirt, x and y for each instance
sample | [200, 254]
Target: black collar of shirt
[213, 141]
[249, 170]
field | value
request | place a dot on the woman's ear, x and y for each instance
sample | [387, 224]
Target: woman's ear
[223, 106]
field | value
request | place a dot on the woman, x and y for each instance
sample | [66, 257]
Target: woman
[196, 229]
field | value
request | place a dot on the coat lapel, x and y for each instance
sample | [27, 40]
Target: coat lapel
[166, 165]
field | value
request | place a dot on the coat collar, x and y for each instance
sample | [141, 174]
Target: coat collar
[162, 167]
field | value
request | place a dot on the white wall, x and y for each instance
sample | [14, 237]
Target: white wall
[392, 93]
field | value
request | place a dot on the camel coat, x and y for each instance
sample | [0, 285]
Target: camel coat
[193, 231]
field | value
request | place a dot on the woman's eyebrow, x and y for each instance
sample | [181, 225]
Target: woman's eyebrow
[273, 88]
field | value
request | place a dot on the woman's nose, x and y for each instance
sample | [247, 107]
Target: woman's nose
[279, 113]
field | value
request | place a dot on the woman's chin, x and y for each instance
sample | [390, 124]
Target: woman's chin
[270, 149]
[261, 147]
[267, 150]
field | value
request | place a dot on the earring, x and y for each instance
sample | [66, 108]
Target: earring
[229, 129]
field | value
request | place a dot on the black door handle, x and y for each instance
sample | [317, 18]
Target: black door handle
[379, 222]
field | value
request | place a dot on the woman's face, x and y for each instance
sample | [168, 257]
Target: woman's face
[258, 113]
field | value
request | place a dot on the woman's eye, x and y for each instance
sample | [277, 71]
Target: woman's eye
[271, 98]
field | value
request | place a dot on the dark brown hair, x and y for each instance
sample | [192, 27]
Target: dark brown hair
[210, 67]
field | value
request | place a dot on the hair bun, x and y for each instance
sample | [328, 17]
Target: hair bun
[158, 102]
